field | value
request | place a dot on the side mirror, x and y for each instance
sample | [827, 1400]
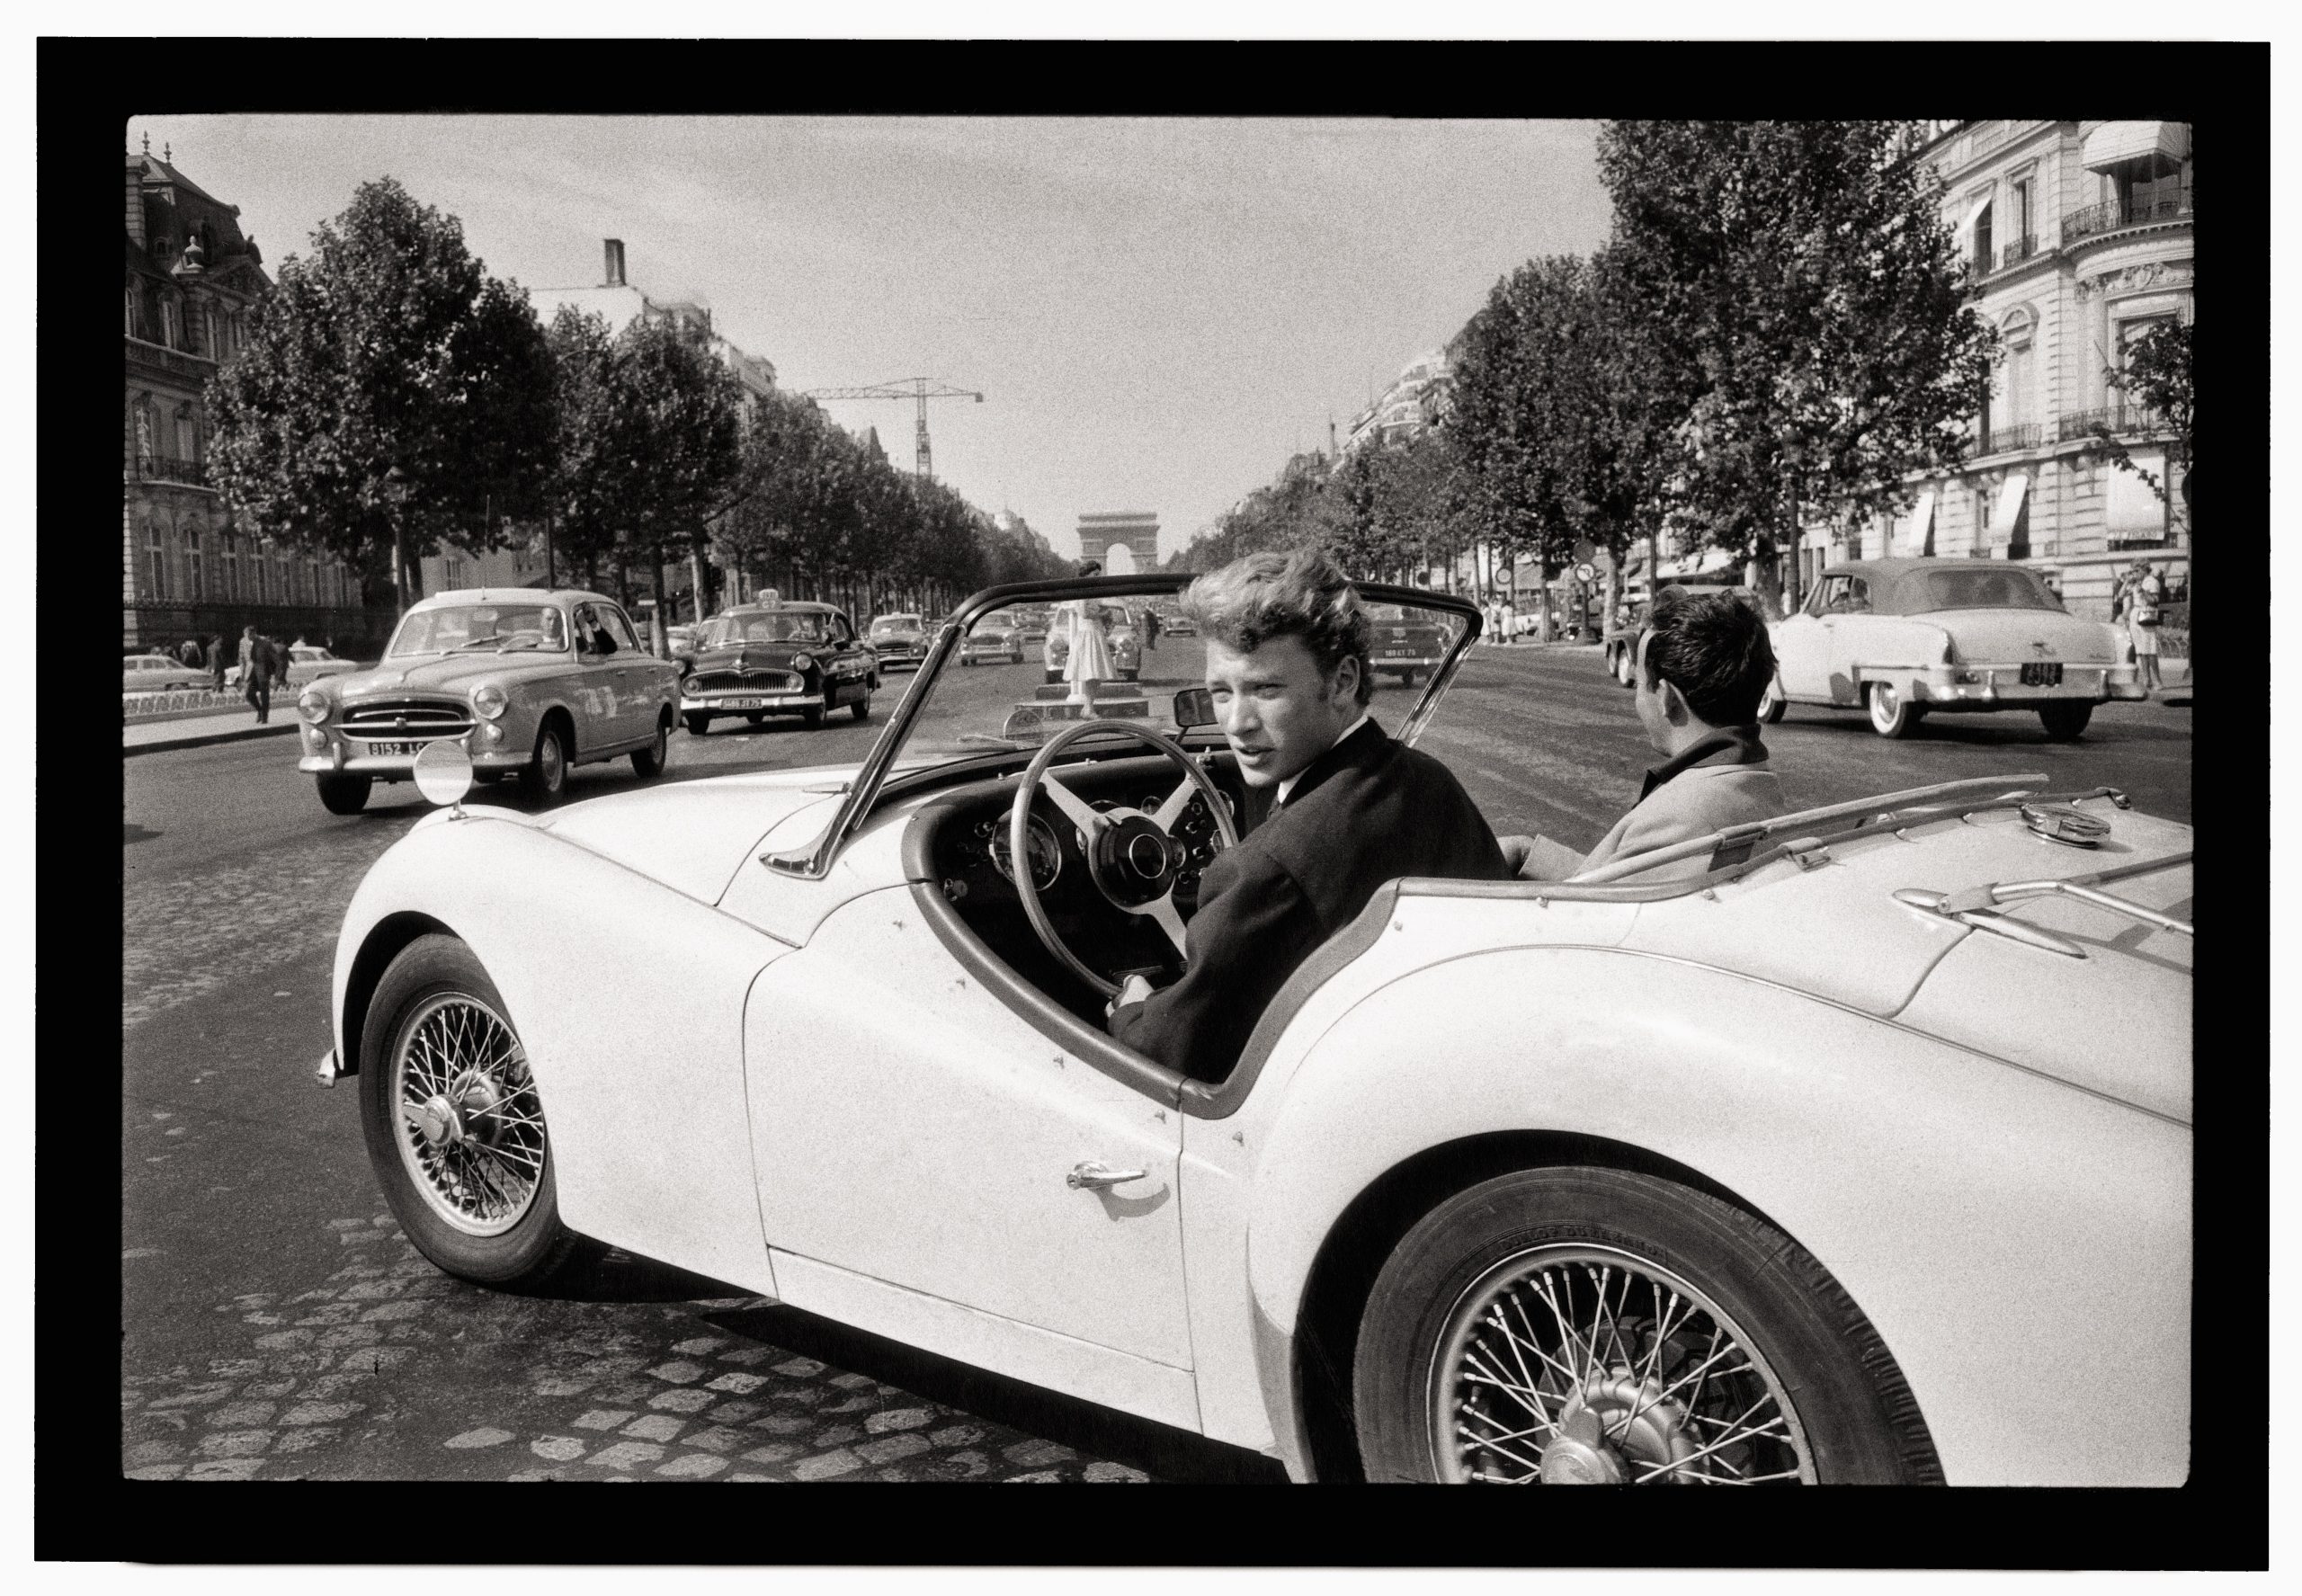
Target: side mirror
[1194, 707]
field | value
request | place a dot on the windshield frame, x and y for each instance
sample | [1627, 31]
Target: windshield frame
[392, 648]
[814, 860]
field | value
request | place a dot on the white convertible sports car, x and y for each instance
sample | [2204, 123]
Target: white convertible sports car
[1818, 1166]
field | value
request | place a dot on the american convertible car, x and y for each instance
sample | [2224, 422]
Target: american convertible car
[528, 682]
[1815, 1165]
[1905, 639]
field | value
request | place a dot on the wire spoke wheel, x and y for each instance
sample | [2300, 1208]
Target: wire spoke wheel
[1587, 1365]
[467, 1126]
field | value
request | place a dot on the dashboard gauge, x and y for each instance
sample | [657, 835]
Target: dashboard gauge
[1046, 853]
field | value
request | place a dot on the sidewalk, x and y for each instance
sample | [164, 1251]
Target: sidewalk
[198, 731]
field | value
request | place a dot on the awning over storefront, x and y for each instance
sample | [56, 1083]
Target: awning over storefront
[2115, 143]
[2010, 503]
[1922, 520]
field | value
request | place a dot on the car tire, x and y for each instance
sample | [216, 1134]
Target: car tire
[1626, 668]
[2065, 722]
[1015, 658]
[649, 761]
[1837, 1409]
[861, 709]
[503, 1228]
[967, 660]
[344, 795]
[813, 719]
[1771, 704]
[1891, 714]
[1129, 675]
[545, 779]
[697, 725]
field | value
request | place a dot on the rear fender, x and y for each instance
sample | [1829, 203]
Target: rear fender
[629, 999]
[1945, 1191]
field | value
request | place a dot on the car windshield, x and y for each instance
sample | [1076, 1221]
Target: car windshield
[453, 628]
[765, 625]
[1112, 671]
[1982, 589]
[887, 624]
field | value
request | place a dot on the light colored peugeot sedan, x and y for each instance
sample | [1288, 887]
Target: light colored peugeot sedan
[528, 682]
[1905, 639]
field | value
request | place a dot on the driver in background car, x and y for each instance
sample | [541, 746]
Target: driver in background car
[1704, 663]
[1336, 806]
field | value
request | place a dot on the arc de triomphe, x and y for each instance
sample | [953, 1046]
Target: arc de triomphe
[1125, 540]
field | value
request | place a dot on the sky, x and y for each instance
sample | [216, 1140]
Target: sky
[1157, 311]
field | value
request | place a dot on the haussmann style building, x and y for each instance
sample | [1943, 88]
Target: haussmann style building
[2079, 236]
[192, 283]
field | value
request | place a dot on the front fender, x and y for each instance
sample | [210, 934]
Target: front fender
[629, 999]
[2013, 1239]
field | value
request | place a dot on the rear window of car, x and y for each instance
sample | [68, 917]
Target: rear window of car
[894, 623]
[1984, 589]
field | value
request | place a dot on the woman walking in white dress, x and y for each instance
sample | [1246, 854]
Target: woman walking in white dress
[1090, 659]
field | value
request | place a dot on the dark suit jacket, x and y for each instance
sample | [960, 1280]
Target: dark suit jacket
[1365, 812]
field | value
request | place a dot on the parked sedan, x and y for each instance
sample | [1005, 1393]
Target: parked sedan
[1798, 1159]
[1905, 639]
[157, 673]
[528, 682]
[1410, 646]
[307, 664]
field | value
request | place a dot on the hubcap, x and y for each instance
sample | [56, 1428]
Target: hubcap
[471, 1131]
[1882, 704]
[552, 761]
[1587, 1365]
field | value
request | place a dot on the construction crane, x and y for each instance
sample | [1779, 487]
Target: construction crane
[922, 388]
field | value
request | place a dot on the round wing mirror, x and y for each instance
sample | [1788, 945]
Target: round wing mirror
[443, 772]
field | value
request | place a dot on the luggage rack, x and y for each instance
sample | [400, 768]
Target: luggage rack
[1973, 906]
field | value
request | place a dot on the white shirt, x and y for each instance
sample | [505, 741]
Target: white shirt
[1287, 785]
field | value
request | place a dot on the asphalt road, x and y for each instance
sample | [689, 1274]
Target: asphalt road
[277, 1325]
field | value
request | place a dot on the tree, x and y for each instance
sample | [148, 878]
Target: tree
[649, 439]
[392, 395]
[1804, 295]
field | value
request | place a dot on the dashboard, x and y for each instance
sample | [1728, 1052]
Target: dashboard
[972, 868]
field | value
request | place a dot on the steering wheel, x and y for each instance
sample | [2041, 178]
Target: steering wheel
[1132, 858]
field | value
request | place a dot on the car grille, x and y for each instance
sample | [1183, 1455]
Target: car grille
[704, 681]
[394, 720]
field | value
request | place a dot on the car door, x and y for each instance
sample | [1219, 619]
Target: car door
[911, 1128]
[1802, 643]
[1848, 628]
[636, 673]
[599, 677]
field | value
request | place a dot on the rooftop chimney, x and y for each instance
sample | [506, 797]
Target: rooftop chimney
[615, 262]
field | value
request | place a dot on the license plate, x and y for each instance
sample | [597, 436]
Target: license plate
[2042, 676]
[398, 748]
[740, 703]
[1402, 653]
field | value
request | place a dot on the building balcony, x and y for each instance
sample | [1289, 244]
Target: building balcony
[165, 467]
[2127, 421]
[2113, 215]
[180, 364]
[2005, 439]
[2014, 253]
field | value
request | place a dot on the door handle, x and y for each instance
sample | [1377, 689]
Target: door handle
[1094, 1175]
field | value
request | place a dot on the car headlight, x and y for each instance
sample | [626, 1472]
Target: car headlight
[488, 700]
[803, 662]
[313, 706]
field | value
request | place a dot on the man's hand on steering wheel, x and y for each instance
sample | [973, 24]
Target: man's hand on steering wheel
[1133, 990]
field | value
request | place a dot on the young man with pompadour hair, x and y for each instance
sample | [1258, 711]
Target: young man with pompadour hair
[1348, 807]
[1704, 663]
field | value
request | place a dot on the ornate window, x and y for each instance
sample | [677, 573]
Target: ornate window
[155, 560]
[231, 566]
[195, 566]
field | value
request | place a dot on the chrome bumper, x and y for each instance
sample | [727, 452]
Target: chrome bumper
[768, 702]
[329, 1071]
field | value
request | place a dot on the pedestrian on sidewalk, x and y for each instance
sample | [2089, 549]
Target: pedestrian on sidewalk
[2145, 595]
[216, 659]
[256, 674]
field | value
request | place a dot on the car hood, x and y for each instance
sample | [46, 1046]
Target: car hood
[1987, 635]
[692, 836]
[757, 656]
[454, 673]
